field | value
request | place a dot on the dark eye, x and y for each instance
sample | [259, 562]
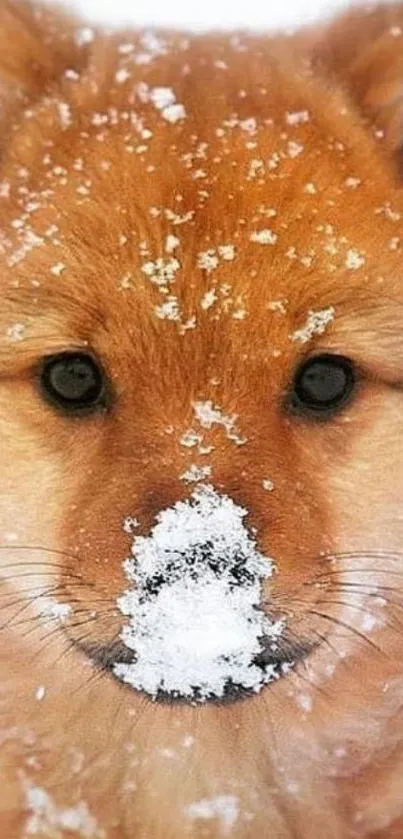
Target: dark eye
[322, 385]
[72, 381]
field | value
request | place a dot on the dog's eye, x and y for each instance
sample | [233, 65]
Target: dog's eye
[72, 381]
[323, 385]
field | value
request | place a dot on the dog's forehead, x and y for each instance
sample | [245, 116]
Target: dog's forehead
[193, 181]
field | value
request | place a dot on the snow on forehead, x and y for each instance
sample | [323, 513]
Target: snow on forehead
[195, 625]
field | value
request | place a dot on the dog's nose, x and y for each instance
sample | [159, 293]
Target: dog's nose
[199, 560]
[195, 622]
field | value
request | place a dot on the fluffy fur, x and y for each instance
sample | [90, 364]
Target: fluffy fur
[300, 135]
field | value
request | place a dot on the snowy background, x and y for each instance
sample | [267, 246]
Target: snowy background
[208, 13]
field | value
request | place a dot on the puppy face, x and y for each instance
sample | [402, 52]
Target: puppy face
[200, 334]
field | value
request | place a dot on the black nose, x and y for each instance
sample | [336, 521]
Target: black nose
[196, 561]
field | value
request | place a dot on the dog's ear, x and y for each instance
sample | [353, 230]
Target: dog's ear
[363, 50]
[37, 45]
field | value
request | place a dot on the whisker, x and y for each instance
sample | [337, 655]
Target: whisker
[362, 554]
[325, 640]
[101, 614]
[42, 549]
[305, 677]
[369, 586]
[351, 629]
[42, 562]
[98, 675]
[71, 580]
[31, 600]
[57, 634]
[70, 647]
[359, 591]
[342, 572]
[41, 587]
[34, 619]
[144, 706]
[357, 608]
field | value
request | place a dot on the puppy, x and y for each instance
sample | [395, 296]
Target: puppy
[201, 414]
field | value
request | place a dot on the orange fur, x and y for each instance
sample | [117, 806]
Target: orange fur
[92, 182]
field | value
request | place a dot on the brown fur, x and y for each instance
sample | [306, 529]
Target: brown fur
[66, 485]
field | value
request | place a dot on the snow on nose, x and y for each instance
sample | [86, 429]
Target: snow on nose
[195, 622]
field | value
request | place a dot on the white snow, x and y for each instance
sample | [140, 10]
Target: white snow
[171, 243]
[208, 415]
[169, 309]
[64, 115]
[164, 100]
[225, 808]
[162, 271]
[85, 35]
[174, 113]
[122, 75]
[194, 619]
[316, 324]
[294, 149]
[130, 523]
[305, 702]
[223, 15]
[58, 269]
[207, 260]
[40, 693]
[208, 299]
[352, 183]
[162, 97]
[55, 611]
[227, 252]
[264, 237]
[46, 819]
[354, 259]
[297, 117]
[196, 473]
[16, 332]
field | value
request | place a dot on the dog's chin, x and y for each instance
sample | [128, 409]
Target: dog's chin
[282, 659]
